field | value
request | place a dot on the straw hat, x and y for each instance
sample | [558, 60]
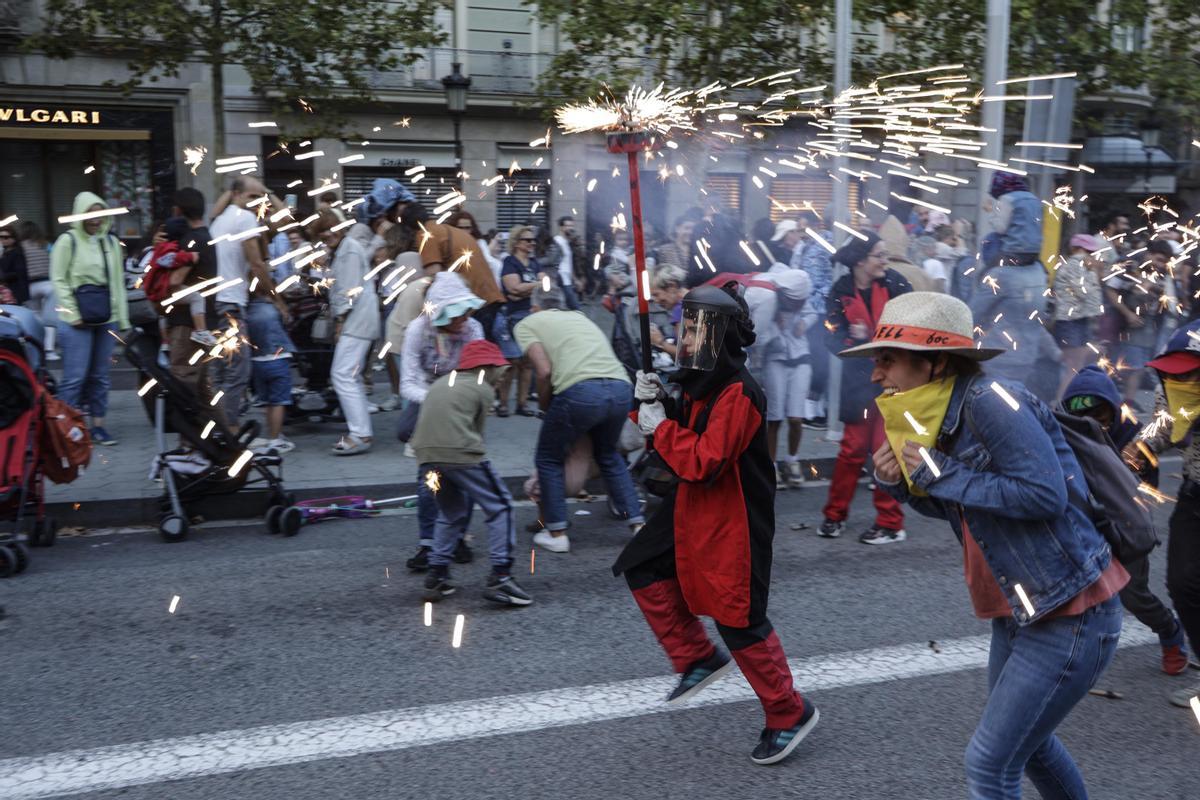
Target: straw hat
[925, 321]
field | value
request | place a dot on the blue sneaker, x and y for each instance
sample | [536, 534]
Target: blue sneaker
[700, 675]
[100, 436]
[776, 745]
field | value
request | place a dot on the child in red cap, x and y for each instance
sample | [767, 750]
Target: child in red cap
[448, 441]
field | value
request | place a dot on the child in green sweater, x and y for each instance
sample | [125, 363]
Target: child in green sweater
[448, 441]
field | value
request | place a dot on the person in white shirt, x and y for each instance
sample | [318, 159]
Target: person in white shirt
[566, 265]
[240, 262]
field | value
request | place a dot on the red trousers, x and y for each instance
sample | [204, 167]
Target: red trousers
[756, 649]
[859, 441]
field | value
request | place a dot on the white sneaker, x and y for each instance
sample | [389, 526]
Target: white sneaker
[372, 408]
[204, 338]
[391, 404]
[795, 474]
[281, 445]
[408, 451]
[555, 544]
[259, 446]
[53, 356]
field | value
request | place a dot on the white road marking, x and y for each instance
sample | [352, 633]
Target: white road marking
[141, 763]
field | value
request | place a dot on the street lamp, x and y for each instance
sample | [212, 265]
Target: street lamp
[456, 85]
[1150, 135]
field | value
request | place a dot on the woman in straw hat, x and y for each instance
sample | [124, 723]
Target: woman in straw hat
[990, 458]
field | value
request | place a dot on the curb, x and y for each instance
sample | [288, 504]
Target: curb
[128, 511]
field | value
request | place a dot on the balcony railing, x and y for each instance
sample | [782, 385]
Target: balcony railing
[491, 71]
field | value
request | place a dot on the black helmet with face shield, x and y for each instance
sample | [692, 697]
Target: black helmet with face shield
[708, 314]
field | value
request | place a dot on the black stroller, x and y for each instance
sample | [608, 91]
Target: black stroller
[217, 463]
[316, 402]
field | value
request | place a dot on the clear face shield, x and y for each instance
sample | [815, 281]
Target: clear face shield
[701, 334]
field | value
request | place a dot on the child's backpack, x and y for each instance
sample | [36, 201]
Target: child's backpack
[166, 257]
[65, 442]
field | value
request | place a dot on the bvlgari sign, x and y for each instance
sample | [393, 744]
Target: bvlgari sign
[49, 116]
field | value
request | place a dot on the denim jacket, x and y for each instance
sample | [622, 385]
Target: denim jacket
[1007, 473]
[267, 334]
[1017, 217]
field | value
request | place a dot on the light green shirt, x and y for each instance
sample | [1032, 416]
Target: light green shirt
[577, 349]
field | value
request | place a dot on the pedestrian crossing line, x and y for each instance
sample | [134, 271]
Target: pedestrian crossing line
[150, 762]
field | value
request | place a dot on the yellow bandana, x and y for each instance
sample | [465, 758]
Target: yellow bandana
[915, 415]
[1183, 402]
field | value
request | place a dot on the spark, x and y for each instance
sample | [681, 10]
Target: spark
[646, 285]
[433, 481]
[383, 350]
[456, 639]
[217, 397]
[479, 380]
[1195, 703]
[242, 461]
[261, 125]
[208, 429]
[849, 230]
[104, 212]
[325, 187]
[1149, 490]
[193, 156]
[1037, 78]
[1024, 598]
[428, 614]
[308, 155]
[749, 253]
[532, 560]
[655, 111]
[1004, 395]
[453, 376]
[9, 220]
[591, 184]
[1127, 414]
[819, 239]
[147, 386]
[89, 170]
[546, 284]
[916, 426]
[174, 605]
[937, 473]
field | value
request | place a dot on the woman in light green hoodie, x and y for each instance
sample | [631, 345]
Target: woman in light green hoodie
[88, 255]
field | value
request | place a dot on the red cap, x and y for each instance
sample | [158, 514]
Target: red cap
[1175, 363]
[481, 353]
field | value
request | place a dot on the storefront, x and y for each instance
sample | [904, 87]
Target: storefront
[51, 152]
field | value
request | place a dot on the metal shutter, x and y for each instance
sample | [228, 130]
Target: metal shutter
[798, 193]
[516, 196]
[725, 190]
[356, 182]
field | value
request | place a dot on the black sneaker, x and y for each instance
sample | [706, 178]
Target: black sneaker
[420, 560]
[506, 591]
[878, 535]
[463, 554]
[700, 675]
[776, 745]
[831, 529]
[816, 424]
[437, 586]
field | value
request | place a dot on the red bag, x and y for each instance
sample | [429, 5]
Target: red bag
[167, 260]
[65, 441]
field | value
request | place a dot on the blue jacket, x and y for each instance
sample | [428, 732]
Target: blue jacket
[1007, 473]
[266, 331]
[1023, 236]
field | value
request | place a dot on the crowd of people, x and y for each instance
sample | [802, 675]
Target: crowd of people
[952, 353]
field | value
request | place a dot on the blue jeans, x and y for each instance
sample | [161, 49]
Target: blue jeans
[427, 507]
[1036, 675]
[599, 408]
[571, 297]
[462, 486]
[86, 356]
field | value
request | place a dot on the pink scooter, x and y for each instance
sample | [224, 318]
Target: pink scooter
[288, 520]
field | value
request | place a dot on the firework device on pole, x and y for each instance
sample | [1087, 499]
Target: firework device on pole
[632, 143]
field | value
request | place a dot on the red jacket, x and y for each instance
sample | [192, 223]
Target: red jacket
[724, 504]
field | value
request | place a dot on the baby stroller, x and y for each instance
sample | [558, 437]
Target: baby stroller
[21, 481]
[316, 402]
[217, 463]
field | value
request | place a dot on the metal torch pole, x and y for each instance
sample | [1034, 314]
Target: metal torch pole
[639, 259]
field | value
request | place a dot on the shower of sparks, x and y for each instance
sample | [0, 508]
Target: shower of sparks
[174, 605]
[655, 111]
[194, 156]
[456, 639]
[428, 614]
[1005, 396]
[433, 481]
[1024, 598]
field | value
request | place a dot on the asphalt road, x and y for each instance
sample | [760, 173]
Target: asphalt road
[327, 626]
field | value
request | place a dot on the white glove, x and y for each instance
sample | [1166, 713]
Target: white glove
[647, 387]
[650, 416]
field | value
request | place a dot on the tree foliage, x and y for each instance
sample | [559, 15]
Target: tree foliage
[320, 51]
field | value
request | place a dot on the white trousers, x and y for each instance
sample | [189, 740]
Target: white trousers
[349, 355]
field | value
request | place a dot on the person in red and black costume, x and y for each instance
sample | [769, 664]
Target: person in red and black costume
[707, 549]
[855, 303]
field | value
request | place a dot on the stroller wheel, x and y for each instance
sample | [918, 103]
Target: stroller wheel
[173, 528]
[282, 498]
[8, 561]
[44, 532]
[290, 521]
[22, 553]
[272, 518]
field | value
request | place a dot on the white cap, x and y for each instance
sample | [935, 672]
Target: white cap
[783, 228]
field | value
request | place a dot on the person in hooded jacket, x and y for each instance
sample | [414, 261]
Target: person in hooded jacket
[854, 307]
[88, 259]
[1093, 394]
[706, 550]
